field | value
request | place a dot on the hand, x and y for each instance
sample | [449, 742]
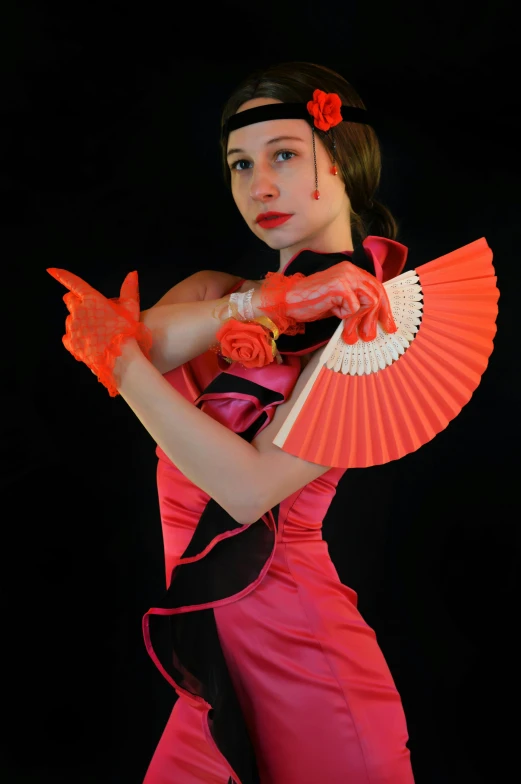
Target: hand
[344, 291]
[97, 326]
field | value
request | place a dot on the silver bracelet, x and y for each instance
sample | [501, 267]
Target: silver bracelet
[240, 302]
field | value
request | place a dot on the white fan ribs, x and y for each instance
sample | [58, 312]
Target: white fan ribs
[369, 403]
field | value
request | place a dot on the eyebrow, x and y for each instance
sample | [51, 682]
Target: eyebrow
[271, 141]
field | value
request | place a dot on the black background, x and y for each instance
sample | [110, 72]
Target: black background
[110, 162]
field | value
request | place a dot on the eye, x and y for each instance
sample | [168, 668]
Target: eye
[236, 165]
[287, 155]
[286, 152]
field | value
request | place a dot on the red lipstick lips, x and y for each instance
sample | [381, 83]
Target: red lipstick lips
[270, 220]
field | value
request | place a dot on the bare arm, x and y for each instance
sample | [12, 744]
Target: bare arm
[181, 332]
[210, 455]
[185, 330]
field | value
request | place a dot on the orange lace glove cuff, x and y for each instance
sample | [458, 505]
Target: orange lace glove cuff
[273, 300]
[103, 367]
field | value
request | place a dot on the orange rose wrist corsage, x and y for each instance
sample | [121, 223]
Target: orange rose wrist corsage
[251, 343]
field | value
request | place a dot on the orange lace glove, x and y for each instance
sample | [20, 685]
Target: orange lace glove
[344, 291]
[97, 326]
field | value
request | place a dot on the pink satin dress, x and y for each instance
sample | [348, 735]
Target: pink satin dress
[314, 689]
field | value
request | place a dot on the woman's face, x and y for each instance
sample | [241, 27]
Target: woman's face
[272, 170]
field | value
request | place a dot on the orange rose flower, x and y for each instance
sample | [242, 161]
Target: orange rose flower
[246, 342]
[325, 108]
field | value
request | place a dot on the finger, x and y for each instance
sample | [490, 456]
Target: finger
[368, 327]
[382, 308]
[371, 290]
[67, 338]
[68, 324]
[345, 304]
[342, 310]
[71, 300]
[67, 342]
[350, 333]
[129, 295]
[60, 275]
[71, 281]
[353, 298]
[368, 300]
[385, 315]
[130, 287]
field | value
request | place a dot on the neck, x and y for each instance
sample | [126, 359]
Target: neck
[334, 241]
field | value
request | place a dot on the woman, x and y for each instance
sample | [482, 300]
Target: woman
[279, 678]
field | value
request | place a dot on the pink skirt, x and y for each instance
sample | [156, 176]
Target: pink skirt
[315, 690]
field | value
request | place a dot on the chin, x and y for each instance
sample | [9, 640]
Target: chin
[275, 244]
[281, 242]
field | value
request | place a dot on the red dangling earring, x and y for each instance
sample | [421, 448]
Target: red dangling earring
[316, 192]
[334, 169]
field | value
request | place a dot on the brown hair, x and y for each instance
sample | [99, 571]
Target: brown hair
[358, 154]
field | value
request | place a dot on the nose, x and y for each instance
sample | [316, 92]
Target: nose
[263, 187]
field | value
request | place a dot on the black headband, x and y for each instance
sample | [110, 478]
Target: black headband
[288, 111]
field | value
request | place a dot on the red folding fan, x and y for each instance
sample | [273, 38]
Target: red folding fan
[374, 402]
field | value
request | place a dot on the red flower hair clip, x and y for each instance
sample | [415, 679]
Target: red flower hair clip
[325, 108]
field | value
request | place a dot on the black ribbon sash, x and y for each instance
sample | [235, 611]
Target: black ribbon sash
[183, 636]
